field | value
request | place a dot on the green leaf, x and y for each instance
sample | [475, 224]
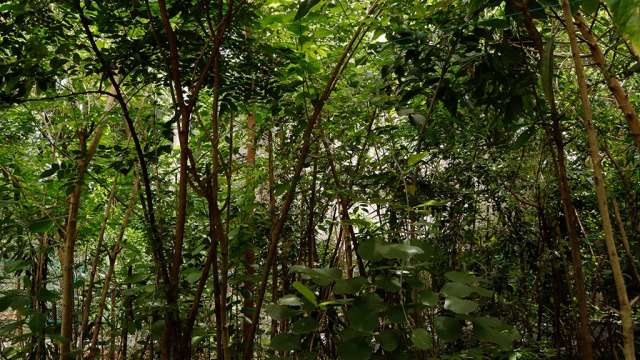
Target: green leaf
[416, 158]
[460, 277]
[349, 286]
[399, 251]
[304, 326]
[626, 16]
[460, 306]
[590, 6]
[136, 278]
[456, 289]
[428, 297]
[157, 328]
[547, 70]
[280, 312]
[388, 340]
[290, 300]
[321, 276]
[41, 225]
[50, 171]
[306, 292]
[432, 203]
[495, 331]
[304, 8]
[285, 342]
[421, 339]
[388, 283]
[448, 328]
[362, 319]
[354, 349]
[192, 275]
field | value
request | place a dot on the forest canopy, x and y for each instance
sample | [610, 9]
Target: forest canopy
[319, 179]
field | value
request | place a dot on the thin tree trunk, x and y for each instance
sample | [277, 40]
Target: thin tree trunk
[249, 257]
[112, 263]
[70, 242]
[311, 234]
[127, 319]
[612, 81]
[625, 243]
[94, 268]
[594, 152]
[273, 216]
[555, 133]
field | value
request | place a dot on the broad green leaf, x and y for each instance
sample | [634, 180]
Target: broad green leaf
[304, 325]
[456, 289]
[448, 328]
[306, 292]
[431, 203]
[349, 286]
[136, 278]
[285, 342]
[547, 70]
[362, 319]
[493, 330]
[399, 251]
[280, 312]
[290, 300]
[590, 6]
[421, 339]
[304, 8]
[192, 275]
[388, 283]
[355, 349]
[416, 158]
[428, 297]
[460, 277]
[388, 340]
[626, 16]
[460, 306]
[157, 327]
[41, 225]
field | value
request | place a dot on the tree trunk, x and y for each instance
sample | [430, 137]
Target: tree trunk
[625, 243]
[94, 268]
[113, 254]
[555, 134]
[612, 81]
[249, 257]
[594, 153]
[70, 242]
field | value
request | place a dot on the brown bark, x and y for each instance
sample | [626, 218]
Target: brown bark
[594, 153]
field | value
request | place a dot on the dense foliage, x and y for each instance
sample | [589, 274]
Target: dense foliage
[319, 179]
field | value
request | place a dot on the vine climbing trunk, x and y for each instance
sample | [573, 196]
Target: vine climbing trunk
[601, 194]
